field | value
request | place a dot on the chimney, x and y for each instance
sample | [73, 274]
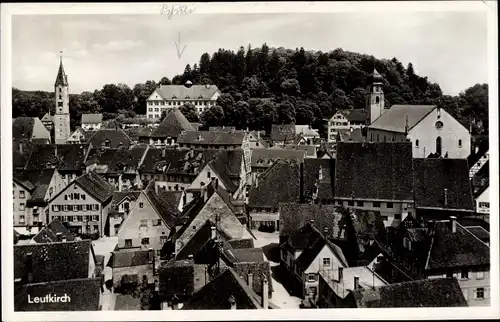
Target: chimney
[311, 221]
[341, 273]
[213, 234]
[59, 237]
[250, 280]
[265, 294]
[190, 257]
[453, 220]
[301, 196]
[232, 302]
[356, 282]
[445, 197]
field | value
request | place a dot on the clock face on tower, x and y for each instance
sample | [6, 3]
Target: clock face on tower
[439, 125]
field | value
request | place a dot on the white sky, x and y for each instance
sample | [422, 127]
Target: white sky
[450, 48]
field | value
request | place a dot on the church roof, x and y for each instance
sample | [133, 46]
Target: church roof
[394, 119]
[62, 78]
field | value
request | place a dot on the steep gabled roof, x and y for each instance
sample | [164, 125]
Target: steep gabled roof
[283, 133]
[165, 210]
[169, 92]
[227, 284]
[36, 181]
[119, 196]
[53, 261]
[113, 161]
[120, 259]
[174, 123]
[64, 157]
[374, 170]
[49, 234]
[394, 119]
[325, 185]
[453, 250]
[227, 166]
[266, 157]
[356, 135]
[22, 128]
[441, 292]
[211, 138]
[180, 278]
[433, 176]
[260, 270]
[293, 216]
[355, 115]
[116, 138]
[285, 175]
[96, 186]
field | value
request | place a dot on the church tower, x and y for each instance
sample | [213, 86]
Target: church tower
[61, 117]
[376, 105]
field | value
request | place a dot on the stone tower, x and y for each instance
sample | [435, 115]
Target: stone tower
[61, 116]
[376, 104]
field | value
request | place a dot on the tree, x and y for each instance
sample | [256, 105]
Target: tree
[286, 113]
[165, 81]
[189, 112]
[214, 116]
[290, 87]
[304, 114]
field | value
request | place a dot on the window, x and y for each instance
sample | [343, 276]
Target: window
[75, 219]
[311, 277]
[95, 218]
[407, 243]
[59, 104]
[360, 203]
[79, 218]
[464, 274]
[156, 222]
[21, 218]
[144, 222]
[385, 218]
[208, 174]
[75, 208]
[397, 216]
[480, 293]
[141, 205]
[163, 239]
[326, 262]
[484, 205]
[350, 203]
[96, 207]
[128, 242]
[479, 275]
[376, 204]
[145, 241]
[21, 206]
[83, 197]
[389, 205]
[21, 194]
[459, 143]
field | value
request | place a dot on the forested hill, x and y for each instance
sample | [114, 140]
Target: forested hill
[262, 86]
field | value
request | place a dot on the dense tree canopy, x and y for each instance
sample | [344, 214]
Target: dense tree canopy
[262, 86]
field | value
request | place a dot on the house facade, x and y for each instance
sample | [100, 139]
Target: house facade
[482, 198]
[346, 120]
[83, 205]
[167, 97]
[91, 122]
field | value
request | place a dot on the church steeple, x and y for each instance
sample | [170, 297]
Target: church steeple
[62, 78]
[376, 103]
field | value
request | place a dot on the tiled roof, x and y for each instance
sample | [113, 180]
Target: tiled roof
[119, 196]
[211, 138]
[179, 278]
[394, 119]
[49, 233]
[116, 138]
[165, 210]
[198, 241]
[259, 270]
[241, 243]
[35, 180]
[441, 292]
[62, 156]
[20, 158]
[96, 186]
[266, 157]
[479, 232]
[285, 175]
[227, 284]
[319, 241]
[85, 295]
[22, 128]
[227, 166]
[46, 117]
[176, 161]
[53, 261]
[325, 185]
[356, 135]
[174, 123]
[374, 170]
[129, 258]
[294, 216]
[91, 118]
[366, 279]
[283, 133]
[169, 92]
[222, 128]
[432, 176]
[355, 115]
[121, 160]
[245, 255]
[458, 249]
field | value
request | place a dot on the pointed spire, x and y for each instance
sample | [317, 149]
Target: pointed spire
[376, 75]
[61, 78]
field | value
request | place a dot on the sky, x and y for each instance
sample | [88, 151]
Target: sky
[450, 48]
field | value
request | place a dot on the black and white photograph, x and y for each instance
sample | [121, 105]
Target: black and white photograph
[325, 157]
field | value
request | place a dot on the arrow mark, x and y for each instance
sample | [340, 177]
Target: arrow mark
[177, 45]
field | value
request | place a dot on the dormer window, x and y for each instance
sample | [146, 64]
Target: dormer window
[174, 97]
[106, 143]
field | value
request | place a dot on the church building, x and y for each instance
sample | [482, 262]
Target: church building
[61, 116]
[431, 129]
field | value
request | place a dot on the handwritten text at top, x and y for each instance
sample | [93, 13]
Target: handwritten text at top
[176, 9]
